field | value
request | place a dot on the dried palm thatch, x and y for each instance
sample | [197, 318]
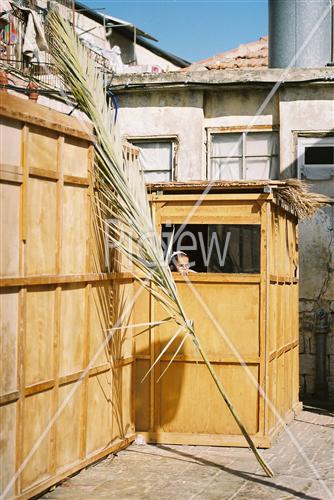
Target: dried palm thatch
[121, 196]
[297, 196]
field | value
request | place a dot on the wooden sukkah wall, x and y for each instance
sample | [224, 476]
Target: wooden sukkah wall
[257, 312]
[56, 306]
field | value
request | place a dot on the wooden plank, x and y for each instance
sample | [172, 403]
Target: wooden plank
[72, 377]
[7, 448]
[9, 325]
[40, 387]
[266, 319]
[26, 111]
[155, 342]
[41, 236]
[55, 369]
[124, 361]
[189, 396]
[59, 203]
[282, 350]
[37, 414]
[218, 218]
[42, 148]
[19, 456]
[142, 396]
[72, 329]
[74, 230]
[223, 301]
[55, 435]
[54, 279]
[202, 439]
[126, 422]
[241, 128]
[10, 133]
[11, 397]
[211, 211]
[86, 360]
[218, 278]
[97, 370]
[214, 359]
[11, 173]
[272, 369]
[24, 187]
[76, 158]
[43, 173]
[102, 405]
[68, 429]
[83, 161]
[38, 355]
[158, 198]
[9, 229]
[76, 181]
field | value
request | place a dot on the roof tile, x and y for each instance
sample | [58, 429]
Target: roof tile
[249, 55]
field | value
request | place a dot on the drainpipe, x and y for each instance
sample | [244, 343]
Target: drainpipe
[332, 34]
[321, 330]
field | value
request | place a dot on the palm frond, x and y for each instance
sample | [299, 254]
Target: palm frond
[121, 192]
[174, 356]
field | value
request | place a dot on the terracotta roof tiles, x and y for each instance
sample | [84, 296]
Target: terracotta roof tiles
[248, 55]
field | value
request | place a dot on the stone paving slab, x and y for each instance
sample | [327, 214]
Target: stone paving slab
[170, 472]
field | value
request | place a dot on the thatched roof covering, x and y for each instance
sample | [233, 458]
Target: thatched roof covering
[293, 194]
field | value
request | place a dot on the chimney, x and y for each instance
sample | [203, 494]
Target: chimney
[295, 37]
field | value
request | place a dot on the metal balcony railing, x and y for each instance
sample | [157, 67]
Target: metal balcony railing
[42, 70]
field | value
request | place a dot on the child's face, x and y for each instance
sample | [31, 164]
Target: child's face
[182, 265]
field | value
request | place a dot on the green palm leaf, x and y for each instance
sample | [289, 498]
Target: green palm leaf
[122, 193]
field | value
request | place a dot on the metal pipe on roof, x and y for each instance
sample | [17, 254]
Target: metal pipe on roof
[293, 39]
[332, 44]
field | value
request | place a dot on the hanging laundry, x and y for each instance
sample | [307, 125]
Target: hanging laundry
[34, 37]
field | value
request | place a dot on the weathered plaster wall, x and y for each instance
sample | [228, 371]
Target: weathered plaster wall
[131, 54]
[187, 114]
[316, 292]
[242, 107]
[173, 113]
[95, 32]
[145, 56]
[311, 110]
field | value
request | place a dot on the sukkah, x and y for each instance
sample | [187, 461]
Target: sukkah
[121, 196]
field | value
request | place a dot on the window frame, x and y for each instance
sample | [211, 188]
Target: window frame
[311, 141]
[172, 139]
[209, 247]
[210, 131]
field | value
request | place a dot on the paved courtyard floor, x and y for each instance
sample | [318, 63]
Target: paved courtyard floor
[169, 472]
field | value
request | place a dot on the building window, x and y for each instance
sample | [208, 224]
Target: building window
[156, 158]
[251, 155]
[316, 158]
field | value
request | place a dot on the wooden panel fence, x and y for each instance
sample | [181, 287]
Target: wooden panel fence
[65, 390]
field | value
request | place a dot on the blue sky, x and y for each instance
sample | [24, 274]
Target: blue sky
[193, 29]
